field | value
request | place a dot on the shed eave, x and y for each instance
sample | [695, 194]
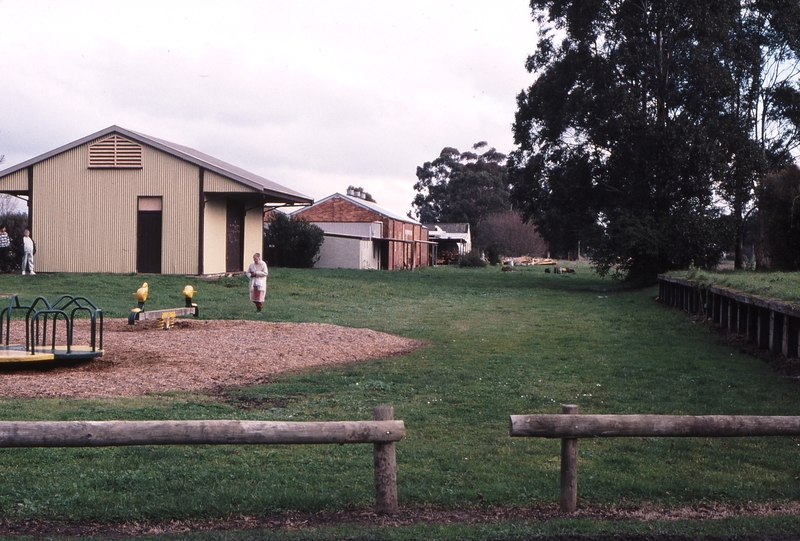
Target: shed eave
[267, 187]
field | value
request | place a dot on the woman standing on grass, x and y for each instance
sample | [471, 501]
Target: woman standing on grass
[28, 251]
[257, 271]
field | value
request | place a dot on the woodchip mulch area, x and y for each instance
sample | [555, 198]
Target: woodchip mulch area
[194, 355]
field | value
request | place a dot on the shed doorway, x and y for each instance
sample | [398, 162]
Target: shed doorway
[384, 255]
[234, 238]
[148, 235]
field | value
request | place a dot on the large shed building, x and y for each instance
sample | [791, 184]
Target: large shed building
[361, 234]
[119, 201]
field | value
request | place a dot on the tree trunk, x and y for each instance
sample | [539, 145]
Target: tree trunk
[738, 258]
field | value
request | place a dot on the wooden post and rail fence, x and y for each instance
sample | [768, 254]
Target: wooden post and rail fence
[383, 432]
[569, 426]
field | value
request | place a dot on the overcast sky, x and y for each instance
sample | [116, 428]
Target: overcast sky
[313, 95]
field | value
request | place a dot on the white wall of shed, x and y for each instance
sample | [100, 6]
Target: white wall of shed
[214, 237]
[370, 255]
[355, 229]
[253, 234]
[339, 253]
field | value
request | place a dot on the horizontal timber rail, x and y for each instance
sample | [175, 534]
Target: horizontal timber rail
[569, 426]
[769, 324]
[383, 432]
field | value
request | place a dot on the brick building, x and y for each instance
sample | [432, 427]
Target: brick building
[352, 220]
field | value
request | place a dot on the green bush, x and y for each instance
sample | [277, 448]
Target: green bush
[493, 255]
[472, 259]
[16, 223]
[779, 216]
[292, 242]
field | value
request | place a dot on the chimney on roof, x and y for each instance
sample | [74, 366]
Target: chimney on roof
[359, 192]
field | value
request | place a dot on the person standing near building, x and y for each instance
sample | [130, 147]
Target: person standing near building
[257, 272]
[5, 246]
[28, 250]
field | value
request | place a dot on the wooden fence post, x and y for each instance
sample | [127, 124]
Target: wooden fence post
[569, 467]
[385, 467]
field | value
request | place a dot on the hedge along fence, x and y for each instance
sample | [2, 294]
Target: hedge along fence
[771, 325]
[383, 432]
[569, 426]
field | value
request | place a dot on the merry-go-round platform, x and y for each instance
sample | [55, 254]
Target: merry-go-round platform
[50, 330]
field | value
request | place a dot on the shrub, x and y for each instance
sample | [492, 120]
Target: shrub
[508, 234]
[472, 259]
[493, 254]
[292, 242]
[779, 217]
[16, 223]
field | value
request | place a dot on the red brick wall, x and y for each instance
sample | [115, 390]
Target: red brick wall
[338, 210]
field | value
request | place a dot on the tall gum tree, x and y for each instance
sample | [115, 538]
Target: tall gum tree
[762, 115]
[625, 136]
[462, 186]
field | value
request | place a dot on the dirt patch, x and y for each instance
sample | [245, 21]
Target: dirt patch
[299, 521]
[195, 355]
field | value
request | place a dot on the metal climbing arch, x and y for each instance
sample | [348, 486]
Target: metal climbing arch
[50, 330]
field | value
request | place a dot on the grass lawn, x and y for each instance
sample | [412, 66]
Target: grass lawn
[498, 344]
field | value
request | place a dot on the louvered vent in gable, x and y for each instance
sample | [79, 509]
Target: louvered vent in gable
[115, 152]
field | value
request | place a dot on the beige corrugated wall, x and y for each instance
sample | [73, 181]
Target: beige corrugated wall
[15, 182]
[214, 236]
[217, 183]
[85, 219]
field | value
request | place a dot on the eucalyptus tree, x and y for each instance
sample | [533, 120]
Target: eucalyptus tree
[761, 120]
[626, 136]
[462, 186]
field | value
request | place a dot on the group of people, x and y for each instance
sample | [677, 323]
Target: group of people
[26, 247]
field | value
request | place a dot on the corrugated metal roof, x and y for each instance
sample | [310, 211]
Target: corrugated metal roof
[200, 159]
[449, 227]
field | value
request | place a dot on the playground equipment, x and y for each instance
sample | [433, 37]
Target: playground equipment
[60, 316]
[166, 317]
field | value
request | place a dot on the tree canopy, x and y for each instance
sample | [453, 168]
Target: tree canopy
[462, 187]
[637, 126]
